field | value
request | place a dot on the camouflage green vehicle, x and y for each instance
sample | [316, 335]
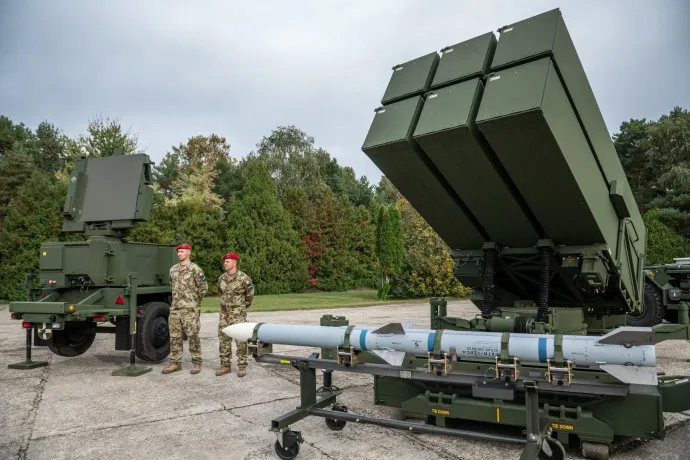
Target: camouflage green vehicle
[667, 292]
[105, 283]
[500, 145]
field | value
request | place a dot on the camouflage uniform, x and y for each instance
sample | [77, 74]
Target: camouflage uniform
[189, 286]
[236, 295]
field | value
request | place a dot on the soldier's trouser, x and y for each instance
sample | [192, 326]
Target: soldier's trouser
[187, 321]
[228, 316]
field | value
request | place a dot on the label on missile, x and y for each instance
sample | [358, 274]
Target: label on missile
[483, 349]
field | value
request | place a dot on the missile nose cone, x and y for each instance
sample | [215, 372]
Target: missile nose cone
[241, 332]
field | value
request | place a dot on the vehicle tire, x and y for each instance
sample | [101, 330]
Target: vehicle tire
[153, 336]
[72, 341]
[654, 310]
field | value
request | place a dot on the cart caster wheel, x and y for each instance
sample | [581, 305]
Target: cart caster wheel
[290, 447]
[556, 451]
[335, 425]
[286, 453]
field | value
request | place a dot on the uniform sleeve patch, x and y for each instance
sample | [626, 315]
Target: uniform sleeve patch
[250, 286]
[202, 276]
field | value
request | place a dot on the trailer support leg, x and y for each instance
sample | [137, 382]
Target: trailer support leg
[132, 370]
[28, 363]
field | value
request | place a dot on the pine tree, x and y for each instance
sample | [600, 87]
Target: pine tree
[427, 269]
[261, 232]
[34, 216]
[389, 246]
[15, 169]
[196, 214]
[663, 244]
[363, 245]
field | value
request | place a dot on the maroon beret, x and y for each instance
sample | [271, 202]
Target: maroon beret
[184, 246]
[230, 255]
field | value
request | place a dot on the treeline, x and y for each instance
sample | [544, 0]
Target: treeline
[655, 155]
[297, 218]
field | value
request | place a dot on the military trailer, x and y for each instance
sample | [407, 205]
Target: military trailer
[103, 283]
[500, 146]
[668, 288]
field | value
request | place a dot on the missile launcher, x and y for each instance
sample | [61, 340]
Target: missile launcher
[499, 144]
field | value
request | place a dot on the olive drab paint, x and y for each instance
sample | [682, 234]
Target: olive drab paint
[105, 280]
[498, 142]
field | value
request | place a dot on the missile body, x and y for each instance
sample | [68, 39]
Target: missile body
[610, 349]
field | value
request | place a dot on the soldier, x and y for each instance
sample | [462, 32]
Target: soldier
[189, 286]
[236, 295]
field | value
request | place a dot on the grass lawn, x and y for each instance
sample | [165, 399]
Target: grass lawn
[310, 301]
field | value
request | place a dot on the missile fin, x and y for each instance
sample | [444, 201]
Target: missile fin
[627, 335]
[392, 328]
[394, 358]
[632, 374]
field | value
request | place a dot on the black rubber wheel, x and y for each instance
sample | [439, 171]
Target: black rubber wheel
[73, 341]
[335, 425]
[287, 452]
[153, 334]
[557, 451]
[654, 311]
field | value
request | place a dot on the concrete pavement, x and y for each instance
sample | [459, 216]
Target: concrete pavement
[75, 409]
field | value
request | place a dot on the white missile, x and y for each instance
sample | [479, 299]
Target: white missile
[627, 353]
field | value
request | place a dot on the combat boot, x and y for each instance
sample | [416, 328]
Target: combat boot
[172, 368]
[242, 371]
[195, 369]
[223, 371]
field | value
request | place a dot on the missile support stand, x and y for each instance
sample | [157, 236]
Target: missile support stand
[321, 402]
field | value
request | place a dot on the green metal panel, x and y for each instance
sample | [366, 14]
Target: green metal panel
[77, 259]
[166, 259]
[39, 307]
[74, 200]
[98, 263]
[547, 35]
[51, 258]
[447, 134]
[411, 78]
[390, 146]
[114, 177]
[618, 193]
[526, 117]
[144, 261]
[110, 189]
[529, 38]
[465, 60]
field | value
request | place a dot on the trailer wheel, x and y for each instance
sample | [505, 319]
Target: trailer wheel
[73, 341]
[654, 310]
[153, 336]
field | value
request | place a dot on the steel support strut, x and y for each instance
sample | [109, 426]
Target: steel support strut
[28, 363]
[132, 370]
[313, 403]
[537, 439]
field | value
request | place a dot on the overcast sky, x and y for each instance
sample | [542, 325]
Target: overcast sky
[174, 69]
